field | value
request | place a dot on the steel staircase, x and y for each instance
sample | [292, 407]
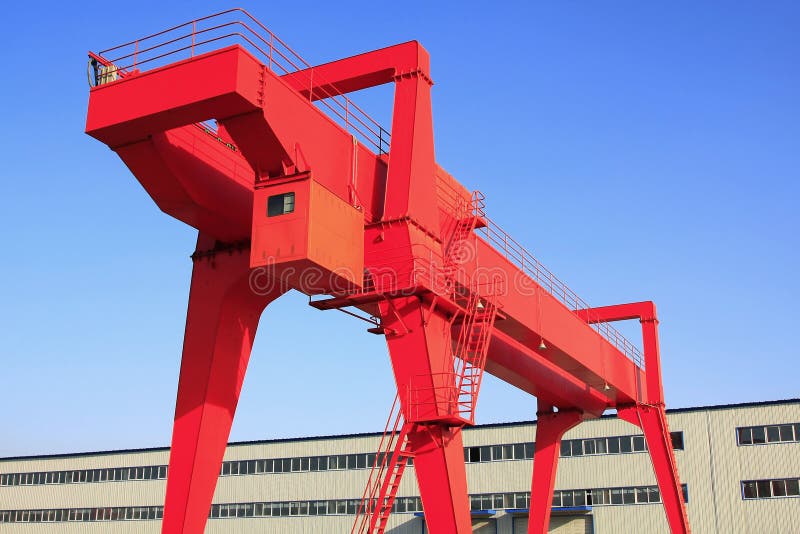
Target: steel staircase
[468, 215]
[456, 404]
[459, 386]
[387, 472]
[470, 354]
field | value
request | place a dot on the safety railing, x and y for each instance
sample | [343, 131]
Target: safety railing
[437, 395]
[533, 268]
[518, 256]
[237, 26]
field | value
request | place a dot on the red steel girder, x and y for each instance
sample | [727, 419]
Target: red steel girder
[361, 71]
[645, 312]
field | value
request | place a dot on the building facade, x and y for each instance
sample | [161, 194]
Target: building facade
[740, 466]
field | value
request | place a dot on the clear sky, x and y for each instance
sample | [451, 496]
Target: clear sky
[642, 150]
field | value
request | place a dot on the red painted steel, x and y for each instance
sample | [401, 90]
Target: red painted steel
[653, 421]
[550, 428]
[220, 328]
[651, 415]
[286, 135]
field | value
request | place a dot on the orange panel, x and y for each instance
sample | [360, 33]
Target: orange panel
[312, 238]
[281, 238]
[336, 235]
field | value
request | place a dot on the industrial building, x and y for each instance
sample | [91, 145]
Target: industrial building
[739, 465]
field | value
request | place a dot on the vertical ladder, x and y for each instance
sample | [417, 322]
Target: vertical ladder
[384, 478]
[466, 216]
[480, 313]
[470, 354]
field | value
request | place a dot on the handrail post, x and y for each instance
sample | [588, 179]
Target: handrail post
[194, 32]
[135, 53]
[271, 46]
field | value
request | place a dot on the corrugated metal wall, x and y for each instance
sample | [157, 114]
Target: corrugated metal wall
[559, 525]
[712, 465]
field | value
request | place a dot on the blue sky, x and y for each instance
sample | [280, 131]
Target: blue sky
[640, 150]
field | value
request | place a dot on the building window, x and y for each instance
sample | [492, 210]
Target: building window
[612, 445]
[771, 488]
[485, 453]
[280, 204]
[154, 472]
[763, 434]
[496, 453]
[562, 498]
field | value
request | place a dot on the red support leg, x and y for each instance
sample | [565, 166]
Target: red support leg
[550, 428]
[650, 416]
[653, 422]
[418, 349]
[220, 326]
[442, 478]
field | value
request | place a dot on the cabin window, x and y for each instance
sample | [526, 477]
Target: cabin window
[280, 204]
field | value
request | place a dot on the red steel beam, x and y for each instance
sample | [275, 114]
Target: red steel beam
[222, 83]
[361, 71]
[196, 178]
[519, 365]
[645, 312]
[618, 312]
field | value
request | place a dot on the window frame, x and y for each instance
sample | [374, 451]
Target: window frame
[281, 204]
[767, 434]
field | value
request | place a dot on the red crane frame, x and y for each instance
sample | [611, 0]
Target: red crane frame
[457, 280]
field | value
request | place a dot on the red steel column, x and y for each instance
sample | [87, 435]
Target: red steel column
[653, 422]
[652, 358]
[419, 346]
[652, 419]
[550, 428]
[442, 478]
[410, 182]
[220, 326]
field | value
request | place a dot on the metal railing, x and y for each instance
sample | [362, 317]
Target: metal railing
[518, 256]
[439, 396]
[237, 26]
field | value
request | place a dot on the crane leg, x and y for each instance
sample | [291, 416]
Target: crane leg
[220, 327]
[653, 422]
[442, 478]
[550, 428]
[420, 347]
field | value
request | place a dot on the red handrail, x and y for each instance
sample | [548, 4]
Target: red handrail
[536, 271]
[253, 35]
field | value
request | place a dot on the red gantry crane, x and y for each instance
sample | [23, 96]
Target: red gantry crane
[293, 186]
